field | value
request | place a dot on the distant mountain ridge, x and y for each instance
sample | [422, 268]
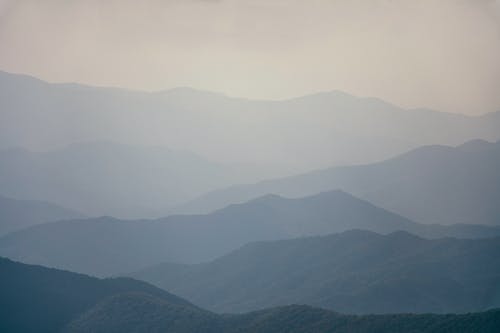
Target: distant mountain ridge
[42, 300]
[17, 214]
[279, 135]
[352, 272]
[107, 246]
[430, 184]
[108, 178]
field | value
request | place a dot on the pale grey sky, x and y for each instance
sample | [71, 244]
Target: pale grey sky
[441, 54]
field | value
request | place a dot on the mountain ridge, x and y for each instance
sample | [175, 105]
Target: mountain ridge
[108, 246]
[110, 178]
[60, 301]
[182, 89]
[430, 184]
[355, 271]
[58, 295]
[344, 129]
[16, 214]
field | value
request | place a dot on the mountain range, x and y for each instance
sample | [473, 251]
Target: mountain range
[431, 184]
[137, 313]
[343, 129]
[106, 178]
[108, 246]
[322, 213]
[17, 214]
[38, 299]
[352, 272]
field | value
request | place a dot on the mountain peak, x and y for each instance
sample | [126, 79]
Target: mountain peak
[475, 145]
[268, 197]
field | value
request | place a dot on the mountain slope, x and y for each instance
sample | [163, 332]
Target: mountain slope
[351, 272]
[107, 246]
[39, 299]
[343, 129]
[432, 184]
[105, 178]
[306, 319]
[18, 214]
[133, 313]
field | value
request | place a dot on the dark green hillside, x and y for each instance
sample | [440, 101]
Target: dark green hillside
[139, 313]
[352, 272]
[299, 318]
[135, 312]
[39, 299]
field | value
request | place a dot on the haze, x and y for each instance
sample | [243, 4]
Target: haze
[268, 166]
[438, 54]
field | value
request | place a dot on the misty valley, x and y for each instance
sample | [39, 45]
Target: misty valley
[102, 236]
[249, 166]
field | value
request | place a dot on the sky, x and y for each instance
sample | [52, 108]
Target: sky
[440, 54]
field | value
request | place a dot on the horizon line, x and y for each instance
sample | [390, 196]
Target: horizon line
[228, 96]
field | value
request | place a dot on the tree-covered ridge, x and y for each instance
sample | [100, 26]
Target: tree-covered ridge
[351, 272]
[39, 299]
[142, 313]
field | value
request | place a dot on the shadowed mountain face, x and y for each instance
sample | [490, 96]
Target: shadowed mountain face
[103, 178]
[107, 246]
[351, 272]
[38, 299]
[18, 214]
[136, 313]
[343, 129]
[432, 184]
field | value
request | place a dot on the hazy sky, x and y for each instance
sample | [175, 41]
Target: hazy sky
[442, 54]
